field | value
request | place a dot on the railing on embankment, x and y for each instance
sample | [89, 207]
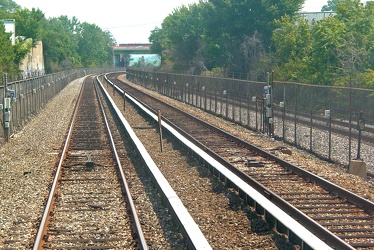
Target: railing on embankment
[320, 119]
[22, 99]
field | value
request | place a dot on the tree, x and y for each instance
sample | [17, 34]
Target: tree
[293, 45]
[181, 31]
[21, 49]
[357, 45]
[324, 60]
[60, 45]
[66, 42]
[11, 55]
[156, 39]
[30, 24]
[8, 6]
[7, 54]
[332, 50]
[331, 5]
[94, 46]
[253, 53]
[211, 33]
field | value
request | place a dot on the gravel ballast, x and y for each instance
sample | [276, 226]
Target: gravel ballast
[26, 167]
[330, 171]
[28, 161]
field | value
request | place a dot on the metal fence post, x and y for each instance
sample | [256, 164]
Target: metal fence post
[6, 128]
[311, 131]
[350, 122]
[227, 104]
[295, 117]
[330, 137]
[248, 114]
[256, 116]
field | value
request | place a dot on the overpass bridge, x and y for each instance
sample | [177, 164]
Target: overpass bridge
[127, 54]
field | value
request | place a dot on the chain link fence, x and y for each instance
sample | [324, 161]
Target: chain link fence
[323, 120]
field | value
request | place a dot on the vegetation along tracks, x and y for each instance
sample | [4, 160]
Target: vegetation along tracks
[336, 215]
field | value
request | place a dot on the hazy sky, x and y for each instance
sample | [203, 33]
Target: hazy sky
[128, 21]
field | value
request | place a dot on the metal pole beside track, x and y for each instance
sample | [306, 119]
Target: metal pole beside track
[160, 128]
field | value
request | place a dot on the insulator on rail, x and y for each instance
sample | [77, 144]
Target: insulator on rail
[89, 163]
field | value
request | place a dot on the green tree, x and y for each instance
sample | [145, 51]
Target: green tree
[156, 41]
[11, 55]
[331, 5]
[95, 46]
[238, 20]
[60, 44]
[66, 42]
[332, 50]
[217, 39]
[356, 51]
[211, 34]
[30, 24]
[324, 61]
[21, 48]
[8, 6]
[181, 31]
[293, 44]
[7, 55]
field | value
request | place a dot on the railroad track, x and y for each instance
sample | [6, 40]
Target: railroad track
[341, 218]
[329, 139]
[87, 207]
[166, 221]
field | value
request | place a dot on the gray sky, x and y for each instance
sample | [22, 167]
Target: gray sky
[129, 21]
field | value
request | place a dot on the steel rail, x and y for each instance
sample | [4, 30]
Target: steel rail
[315, 227]
[51, 198]
[194, 237]
[232, 175]
[39, 241]
[136, 220]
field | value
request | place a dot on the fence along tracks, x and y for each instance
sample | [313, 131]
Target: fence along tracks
[298, 121]
[343, 213]
[85, 209]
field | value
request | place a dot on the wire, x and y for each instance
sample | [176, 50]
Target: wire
[129, 26]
